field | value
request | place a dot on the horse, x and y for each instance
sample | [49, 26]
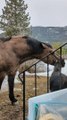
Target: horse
[16, 50]
[58, 80]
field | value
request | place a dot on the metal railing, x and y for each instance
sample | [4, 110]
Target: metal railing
[35, 65]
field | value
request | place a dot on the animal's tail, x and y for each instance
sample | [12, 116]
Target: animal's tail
[4, 39]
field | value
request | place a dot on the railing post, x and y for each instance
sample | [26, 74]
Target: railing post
[60, 66]
[23, 95]
[48, 82]
[35, 82]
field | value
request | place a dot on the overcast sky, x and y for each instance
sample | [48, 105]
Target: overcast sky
[46, 12]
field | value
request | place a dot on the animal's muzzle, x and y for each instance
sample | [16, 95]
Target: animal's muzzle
[60, 60]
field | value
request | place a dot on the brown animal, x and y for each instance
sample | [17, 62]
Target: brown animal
[15, 51]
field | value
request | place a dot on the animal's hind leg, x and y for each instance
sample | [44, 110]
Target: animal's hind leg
[11, 89]
[1, 81]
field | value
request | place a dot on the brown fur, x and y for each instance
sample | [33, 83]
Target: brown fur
[15, 51]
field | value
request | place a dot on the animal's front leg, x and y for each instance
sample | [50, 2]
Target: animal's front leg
[2, 76]
[11, 89]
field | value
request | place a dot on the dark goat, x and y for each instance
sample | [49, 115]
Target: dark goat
[58, 80]
[15, 51]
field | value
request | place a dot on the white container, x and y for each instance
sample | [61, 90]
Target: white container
[58, 96]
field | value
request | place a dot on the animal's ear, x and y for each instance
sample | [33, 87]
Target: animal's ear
[43, 45]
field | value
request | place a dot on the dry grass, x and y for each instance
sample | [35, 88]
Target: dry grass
[9, 112]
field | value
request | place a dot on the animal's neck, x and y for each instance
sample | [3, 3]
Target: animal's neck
[25, 57]
[23, 53]
[25, 49]
[57, 68]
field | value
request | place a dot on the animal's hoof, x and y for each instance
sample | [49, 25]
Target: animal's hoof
[14, 102]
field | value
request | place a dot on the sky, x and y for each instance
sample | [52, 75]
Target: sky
[45, 12]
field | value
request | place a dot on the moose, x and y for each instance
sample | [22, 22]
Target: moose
[16, 50]
[58, 80]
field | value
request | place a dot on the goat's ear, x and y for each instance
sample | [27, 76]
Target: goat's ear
[43, 45]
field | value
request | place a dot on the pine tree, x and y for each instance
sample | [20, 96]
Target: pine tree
[15, 19]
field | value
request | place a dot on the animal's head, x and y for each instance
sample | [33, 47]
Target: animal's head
[28, 48]
[57, 67]
[52, 56]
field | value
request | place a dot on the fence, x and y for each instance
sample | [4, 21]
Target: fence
[60, 49]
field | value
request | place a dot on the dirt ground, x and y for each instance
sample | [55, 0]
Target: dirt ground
[9, 112]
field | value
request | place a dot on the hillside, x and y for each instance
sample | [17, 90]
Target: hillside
[51, 34]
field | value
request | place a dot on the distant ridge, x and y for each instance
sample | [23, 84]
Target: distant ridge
[50, 34]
